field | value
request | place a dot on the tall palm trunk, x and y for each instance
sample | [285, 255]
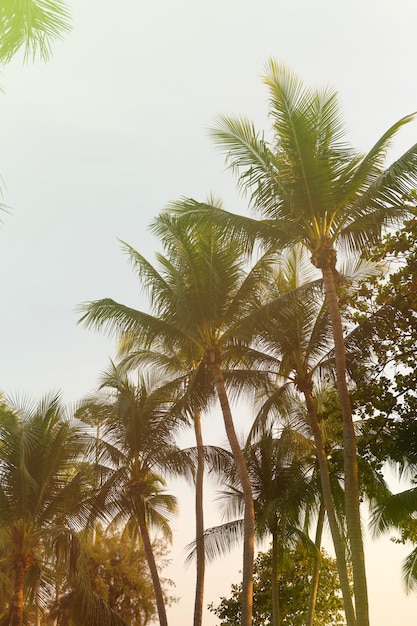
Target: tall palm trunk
[147, 546]
[325, 259]
[249, 513]
[315, 577]
[329, 504]
[16, 608]
[276, 573]
[199, 523]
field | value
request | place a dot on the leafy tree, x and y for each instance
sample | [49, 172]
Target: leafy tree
[310, 187]
[120, 575]
[293, 590]
[382, 351]
[32, 25]
[384, 345]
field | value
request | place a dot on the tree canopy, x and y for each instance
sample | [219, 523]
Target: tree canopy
[293, 589]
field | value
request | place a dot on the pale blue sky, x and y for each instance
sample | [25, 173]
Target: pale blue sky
[96, 142]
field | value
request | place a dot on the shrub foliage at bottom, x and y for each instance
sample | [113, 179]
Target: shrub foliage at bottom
[294, 589]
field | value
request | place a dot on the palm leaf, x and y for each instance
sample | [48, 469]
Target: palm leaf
[219, 540]
[33, 25]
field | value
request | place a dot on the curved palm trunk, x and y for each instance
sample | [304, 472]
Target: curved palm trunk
[276, 610]
[199, 522]
[314, 585]
[353, 518]
[329, 504]
[147, 546]
[249, 513]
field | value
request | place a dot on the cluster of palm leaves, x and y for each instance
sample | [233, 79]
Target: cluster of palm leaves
[46, 503]
[63, 478]
[32, 25]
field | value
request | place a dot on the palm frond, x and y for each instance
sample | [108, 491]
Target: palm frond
[409, 571]
[33, 25]
[393, 511]
[219, 540]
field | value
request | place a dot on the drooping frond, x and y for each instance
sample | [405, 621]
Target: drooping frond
[219, 540]
[383, 203]
[33, 25]
[373, 163]
[409, 570]
[391, 512]
[152, 282]
[122, 321]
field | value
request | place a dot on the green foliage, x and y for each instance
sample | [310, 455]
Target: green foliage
[32, 25]
[384, 349]
[120, 575]
[45, 504]
[293, 590]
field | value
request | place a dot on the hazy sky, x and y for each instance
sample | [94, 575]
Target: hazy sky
[95, 143]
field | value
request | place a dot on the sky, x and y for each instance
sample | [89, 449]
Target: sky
[95, 143]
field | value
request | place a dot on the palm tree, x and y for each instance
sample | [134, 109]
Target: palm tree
[33, 25]
[299, 336]
[136, 451]
[188, 377]
[193, 388]
[284, 488]
[202, 294]
[282, 491]
[193, 392]
[43, 505]
[311, 187]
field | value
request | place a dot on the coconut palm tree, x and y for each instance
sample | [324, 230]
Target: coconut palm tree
[193, 389]
[299, 335]
[201, 295]
[43, 506]
[32, 25]
[309, 186]
[187, 376]
[190, 380]
[136, 452]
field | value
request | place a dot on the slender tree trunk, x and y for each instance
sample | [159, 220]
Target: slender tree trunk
[199, 519]
[249, 514]
[16, 605]
[352, 501]
[147, 546]
[314, 585]
[338, 543]
[276, 609]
